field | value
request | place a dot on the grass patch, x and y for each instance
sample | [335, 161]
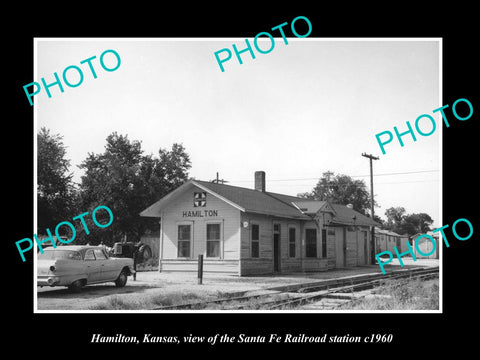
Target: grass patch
[177, 298]
[146, 302]
[115, 303]
[414, 294]
[394, 295]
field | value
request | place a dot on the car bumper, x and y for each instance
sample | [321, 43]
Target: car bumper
[48, 280]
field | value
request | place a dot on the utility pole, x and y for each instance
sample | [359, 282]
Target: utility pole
[328, 174]
[371, 157]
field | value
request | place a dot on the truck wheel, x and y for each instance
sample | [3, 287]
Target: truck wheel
[76, 286]
[121, 280]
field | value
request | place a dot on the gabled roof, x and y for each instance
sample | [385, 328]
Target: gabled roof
[386, 232]
[430, 233]
[154, 209]
[345, 216]
[266, 203]
[253, 200]
[313, 206]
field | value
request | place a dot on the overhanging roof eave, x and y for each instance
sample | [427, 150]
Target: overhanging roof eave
[275, 214]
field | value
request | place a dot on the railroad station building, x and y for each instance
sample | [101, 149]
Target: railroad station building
[252, 231]
[386, 240]
[424, 248]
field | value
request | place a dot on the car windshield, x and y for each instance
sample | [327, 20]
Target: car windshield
[60, 255]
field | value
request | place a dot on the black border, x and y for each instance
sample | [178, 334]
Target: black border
[456, 25]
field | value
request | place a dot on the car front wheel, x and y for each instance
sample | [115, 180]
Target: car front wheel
[121, 280]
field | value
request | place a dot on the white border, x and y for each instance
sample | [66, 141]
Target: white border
[35, 176]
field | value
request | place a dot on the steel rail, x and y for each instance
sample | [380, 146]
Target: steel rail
[322, 289]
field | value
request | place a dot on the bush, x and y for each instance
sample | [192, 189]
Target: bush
[400, 295]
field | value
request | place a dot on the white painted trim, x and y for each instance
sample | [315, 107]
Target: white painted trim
[165, 200]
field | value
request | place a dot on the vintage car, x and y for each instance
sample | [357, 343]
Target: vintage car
[75, 266]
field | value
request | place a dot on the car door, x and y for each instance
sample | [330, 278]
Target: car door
[108, 266]
[93, 267]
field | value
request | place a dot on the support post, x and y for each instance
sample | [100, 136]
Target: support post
[200, 269]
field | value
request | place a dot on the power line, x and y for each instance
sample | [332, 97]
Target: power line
[400, 173]
[317, 178]
[408, 182]
[379, 183]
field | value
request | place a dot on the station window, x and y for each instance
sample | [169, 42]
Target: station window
[213, 240]
[291, 241]
[311, 242]
[184, 238]
[255, 241]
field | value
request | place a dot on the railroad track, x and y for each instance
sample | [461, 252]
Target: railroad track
[348, 293]
[297, 295]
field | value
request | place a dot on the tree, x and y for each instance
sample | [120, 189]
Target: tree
[341, 189]
[127, 181]
[394, 218]
[402, 223]
[55, 190]
[378, 219]
[416, 223]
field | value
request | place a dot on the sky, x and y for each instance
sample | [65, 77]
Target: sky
[311, 106]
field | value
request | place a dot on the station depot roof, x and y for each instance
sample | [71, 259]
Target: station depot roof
[265, 203]
[379, 231]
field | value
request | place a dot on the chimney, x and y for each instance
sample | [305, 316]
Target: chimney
[260, 181]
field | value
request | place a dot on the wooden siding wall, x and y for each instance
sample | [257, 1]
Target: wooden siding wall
[403, 244]
[264, 263]
[425, 246]
[354, 237]
[331, 239]
[368, 255]
[387, 243]
[227, 216]
[209, 266]
[351, 248]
